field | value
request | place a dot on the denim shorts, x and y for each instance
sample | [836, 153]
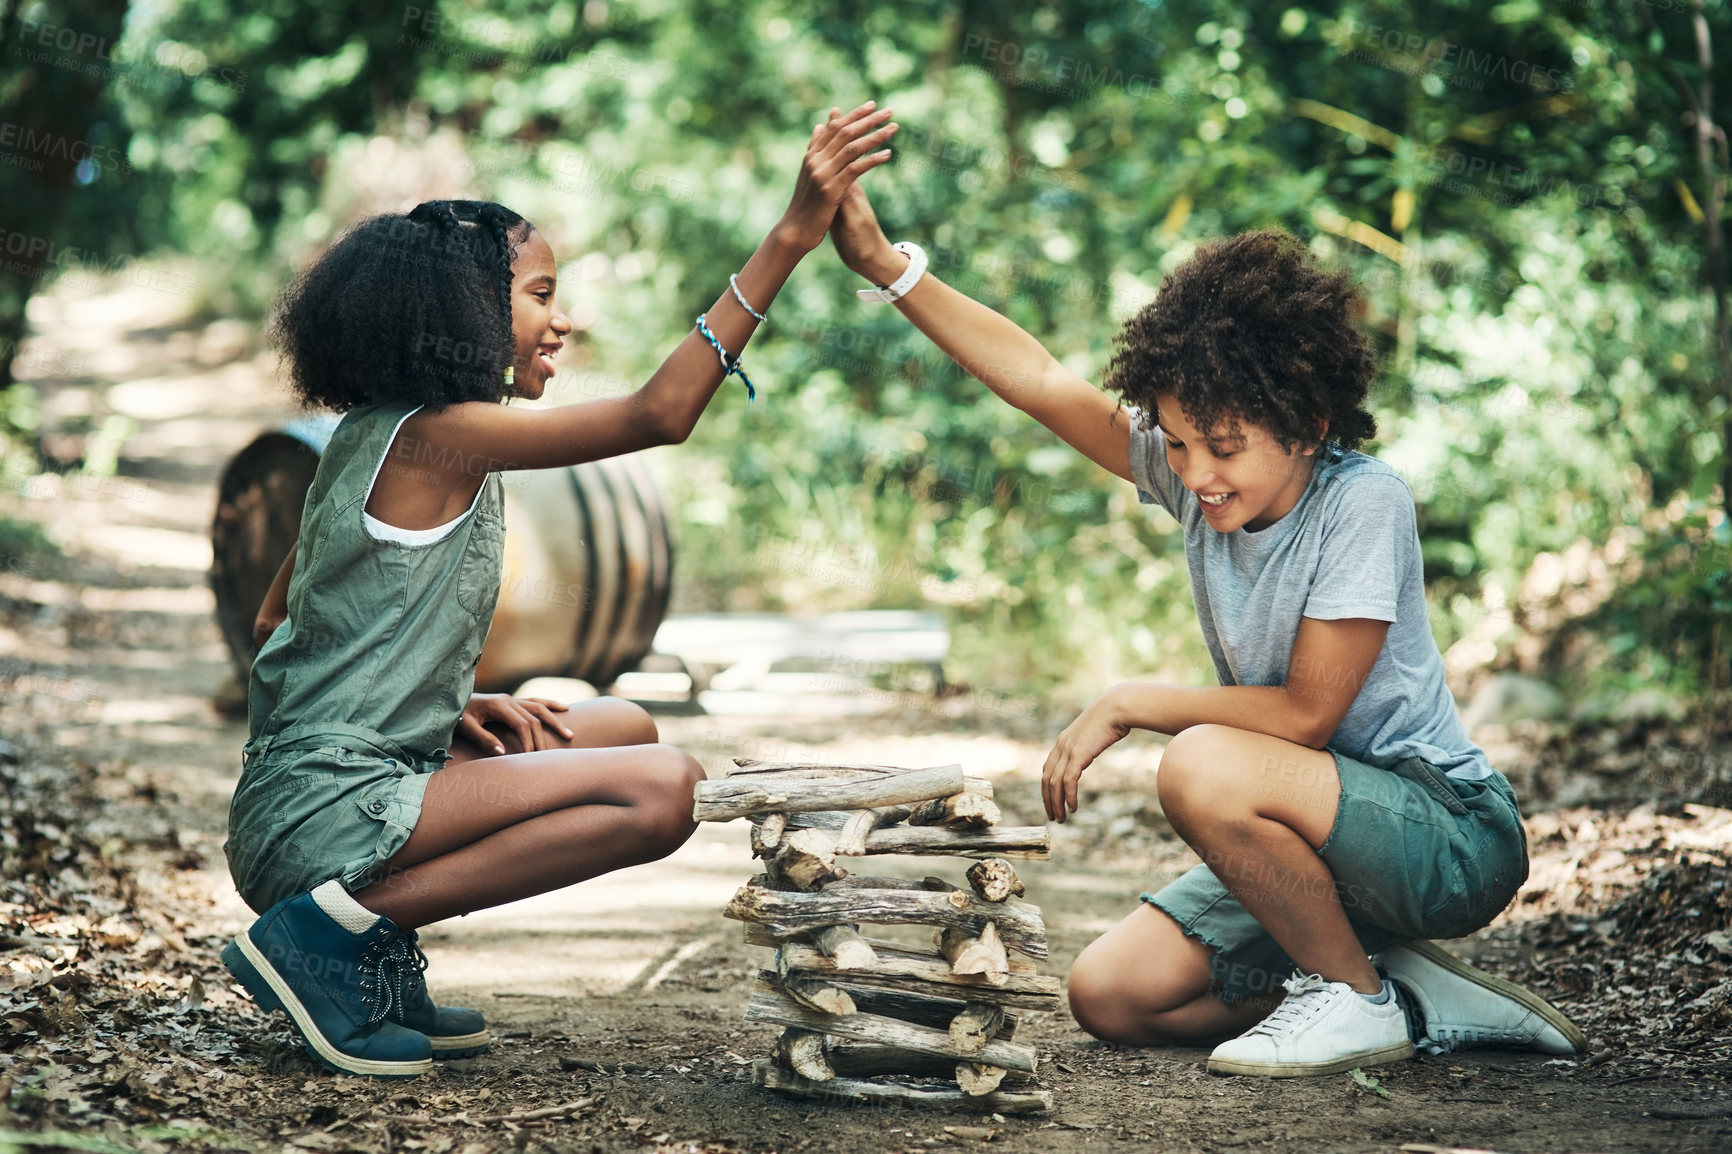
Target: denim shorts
[301, 817]
[1415, 854]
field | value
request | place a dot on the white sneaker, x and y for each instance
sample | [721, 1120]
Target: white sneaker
[1319, 1028]
[1465, 1007]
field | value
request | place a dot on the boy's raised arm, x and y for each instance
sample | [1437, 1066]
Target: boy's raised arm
[989, 346]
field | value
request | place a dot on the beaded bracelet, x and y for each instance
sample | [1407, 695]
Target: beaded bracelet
[730, 363]
[734, 283]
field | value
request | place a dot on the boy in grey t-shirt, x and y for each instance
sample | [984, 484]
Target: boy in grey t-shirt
[1327, 784]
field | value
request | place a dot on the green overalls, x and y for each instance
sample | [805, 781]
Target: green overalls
[353, 699]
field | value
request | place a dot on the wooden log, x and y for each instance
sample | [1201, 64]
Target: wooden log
[844, 948]
[980, 953]
[767, 1074]
[838, 819]
[1020, 967]
[750, 767]
[1012, 841]
[815, 993]
[806, 1053]
[851, 841]
[767, 834]
[1019, 924]
[976, 1025]
[995, 880]
[923, 1010]
[921, 973]
[927, 884]
[820, 997]
[975, 1079]
[807, 860]
[958, 811]
[865, 1060]
[732, 797]
[769, 1004]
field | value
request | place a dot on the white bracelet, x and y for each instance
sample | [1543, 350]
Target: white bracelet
[904, 283]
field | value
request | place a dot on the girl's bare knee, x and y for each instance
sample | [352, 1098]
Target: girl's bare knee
[628, 722]
[665, 811]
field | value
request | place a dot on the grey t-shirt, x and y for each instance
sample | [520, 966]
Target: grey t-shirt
[1349, 548]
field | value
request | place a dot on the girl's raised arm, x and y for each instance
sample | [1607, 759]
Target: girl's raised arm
[989, 346]
[668, 406]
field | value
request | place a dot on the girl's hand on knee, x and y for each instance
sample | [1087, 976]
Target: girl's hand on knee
[522, 716]
[840, 150]
[1082, 741]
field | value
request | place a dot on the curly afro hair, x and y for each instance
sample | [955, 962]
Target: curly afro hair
[1252, 329]
[406, 307]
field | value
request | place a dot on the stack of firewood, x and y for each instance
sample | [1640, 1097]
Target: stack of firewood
[856, 1009]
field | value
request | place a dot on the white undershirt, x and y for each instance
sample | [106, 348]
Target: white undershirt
[380, 531]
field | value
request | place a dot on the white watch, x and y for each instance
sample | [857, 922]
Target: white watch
[904, 283]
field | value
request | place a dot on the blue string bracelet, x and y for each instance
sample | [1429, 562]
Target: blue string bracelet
[730, 363]
[734, 283]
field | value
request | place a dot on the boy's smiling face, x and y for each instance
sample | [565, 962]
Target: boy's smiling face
[1242, 476]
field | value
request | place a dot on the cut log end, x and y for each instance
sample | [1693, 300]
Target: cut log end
[958, 811]
[982, 954]
[806, 1052]
[844, 946]
[807, 860]
[977, 1025]
[995, 880]
[976, 1079]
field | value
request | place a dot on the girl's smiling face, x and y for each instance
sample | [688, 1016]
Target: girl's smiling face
[1242, 476]
[538, 327]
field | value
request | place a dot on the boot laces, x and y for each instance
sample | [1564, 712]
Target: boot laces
[1307, 996]
[390, 971]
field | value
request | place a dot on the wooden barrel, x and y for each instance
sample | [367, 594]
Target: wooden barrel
[588, 559]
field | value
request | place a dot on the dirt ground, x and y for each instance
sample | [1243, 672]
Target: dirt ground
[617, 1006]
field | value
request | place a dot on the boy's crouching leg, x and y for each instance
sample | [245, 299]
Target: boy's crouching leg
[1144, 983]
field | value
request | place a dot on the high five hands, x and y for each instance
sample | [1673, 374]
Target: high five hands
[841, 149]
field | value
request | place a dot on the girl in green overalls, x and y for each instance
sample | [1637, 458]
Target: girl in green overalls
[378, 794]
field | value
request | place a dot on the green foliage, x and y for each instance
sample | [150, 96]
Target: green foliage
[1505, 183]
[1366, 1082]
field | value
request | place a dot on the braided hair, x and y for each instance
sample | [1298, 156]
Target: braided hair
[411, 307]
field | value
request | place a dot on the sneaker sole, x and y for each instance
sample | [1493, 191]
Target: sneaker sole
[460, 1045]
[1310, 1069]
[1522, 996]
[271, 992]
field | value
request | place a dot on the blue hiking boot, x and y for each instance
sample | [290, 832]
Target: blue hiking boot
[453, 1031]
[338, 988]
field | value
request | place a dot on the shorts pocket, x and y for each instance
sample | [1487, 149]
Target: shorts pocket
[1416, 770]
[388, 810]
[479, 568]
[1490, 864]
